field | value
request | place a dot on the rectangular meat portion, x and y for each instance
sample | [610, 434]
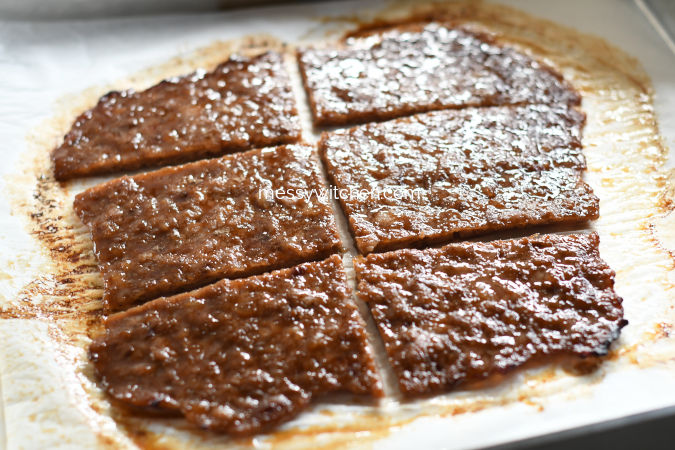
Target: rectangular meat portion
[464, 312]
[244, 103]
[182, 227]
[431, 177]
[240, 356]
[417, 68]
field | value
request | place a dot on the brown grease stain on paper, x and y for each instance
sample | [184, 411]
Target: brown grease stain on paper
[625, 166]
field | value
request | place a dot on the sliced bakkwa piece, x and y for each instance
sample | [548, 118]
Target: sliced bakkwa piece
[419, 68]
[241, 356]
[539, 137]
[465, 312]
[431, 177]
[182, 227]
[244, 103]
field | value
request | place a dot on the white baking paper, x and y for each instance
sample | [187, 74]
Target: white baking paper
[43, 405]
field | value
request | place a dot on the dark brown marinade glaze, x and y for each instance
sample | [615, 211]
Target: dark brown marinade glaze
[241, 356]
[420, 68]
[244, 103]
[459, 173]
[182, 227]
[464, 312]
[539, 137]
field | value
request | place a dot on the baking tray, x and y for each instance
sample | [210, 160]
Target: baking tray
[41, 62]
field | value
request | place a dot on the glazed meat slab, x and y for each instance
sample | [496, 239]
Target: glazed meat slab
[240, 356]
[244, 103]
[419, 68]
[182, 227]
[431, 177]
[466, 311]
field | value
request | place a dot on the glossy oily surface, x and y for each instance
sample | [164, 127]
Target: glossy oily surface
[624, 155]
[466, 311]
[182, 227]
[242, 104]
[240, 356]
[432, 177]
[420, 68]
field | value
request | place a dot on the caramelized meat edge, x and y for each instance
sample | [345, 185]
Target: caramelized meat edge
[464, 312]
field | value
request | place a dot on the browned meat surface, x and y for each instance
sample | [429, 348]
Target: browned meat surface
[422, 68]
[533, 136]
[244, 103]
[466, 311]
[431, 177]
[182, 227]
[240, 356]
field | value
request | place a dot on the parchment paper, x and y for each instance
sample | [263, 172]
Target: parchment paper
[45, 389]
